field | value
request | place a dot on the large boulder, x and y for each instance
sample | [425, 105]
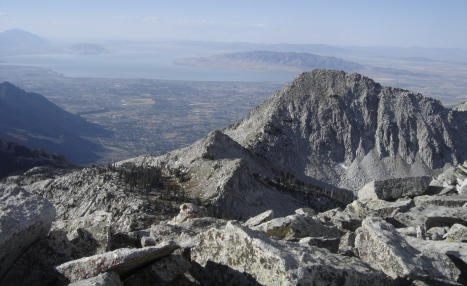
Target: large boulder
[445, 201]
[67, 240]
[185, 233]
[297, 226]
[240, 255]
[456, 251]
[24, 219]
[122, 261]
[381, 246]
[457, 232]
[431, 216]
[393, 189]
[90, 234]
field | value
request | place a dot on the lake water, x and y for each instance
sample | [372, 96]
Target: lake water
[149, 65]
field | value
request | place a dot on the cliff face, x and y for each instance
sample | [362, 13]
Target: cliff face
[343, 129]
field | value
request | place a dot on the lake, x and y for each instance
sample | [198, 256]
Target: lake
[131, 64]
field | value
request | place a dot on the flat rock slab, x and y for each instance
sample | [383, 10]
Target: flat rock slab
[238, 253]
[444, 201]
[259, 219]
[24, 219]
[381, 246]
[376, 207]
[121, 261]
[393, 189]
[431, 216]
[456, 249]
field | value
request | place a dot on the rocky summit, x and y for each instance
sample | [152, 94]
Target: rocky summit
[332, 127]
[334, 180]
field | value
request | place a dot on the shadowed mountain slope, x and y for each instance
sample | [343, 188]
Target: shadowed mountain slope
[17, 158]
[32, 120]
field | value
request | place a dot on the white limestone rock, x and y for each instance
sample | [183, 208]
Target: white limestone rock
[445, 201]
[457, 232]
[96, 227]
[347, 244]
[431, 216]
[375, 207]
[185, 233]
[24, 219]
[259, 219]
[297, 226]
[381, 246]
[393, 189]
[122, 261]
[238, 254]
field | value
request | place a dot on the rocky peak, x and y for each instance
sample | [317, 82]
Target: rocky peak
[329, 125]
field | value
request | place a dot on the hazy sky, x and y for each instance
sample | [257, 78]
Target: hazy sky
[408, 23]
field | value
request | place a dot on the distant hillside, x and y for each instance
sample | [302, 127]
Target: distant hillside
[87, 49]
[32, 120]
[271, 61]
[19, 41]
[17, 158]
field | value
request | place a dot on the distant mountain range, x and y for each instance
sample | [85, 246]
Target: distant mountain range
[271, 61]
[32, 120]
[286, 62]
[19, 41]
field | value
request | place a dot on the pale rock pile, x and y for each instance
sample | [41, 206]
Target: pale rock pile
[404, 231]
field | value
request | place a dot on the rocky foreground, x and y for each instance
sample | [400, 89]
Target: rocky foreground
[409, 231]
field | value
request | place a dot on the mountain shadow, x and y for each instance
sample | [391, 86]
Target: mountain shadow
[34, 121]
[17, 159]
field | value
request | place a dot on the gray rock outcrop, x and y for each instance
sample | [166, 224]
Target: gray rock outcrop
[379, 244]
[457, 232]
[393, 189]
[250, 257]
[67, 240]
[297, 226]
[24, 219]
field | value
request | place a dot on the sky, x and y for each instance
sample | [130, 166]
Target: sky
[395, 23]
